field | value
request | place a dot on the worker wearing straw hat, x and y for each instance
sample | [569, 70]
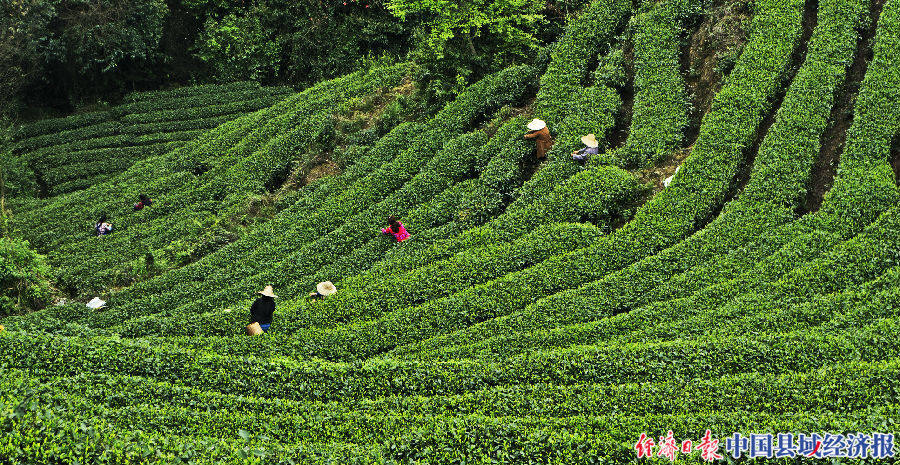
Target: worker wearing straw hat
[591, 147]
[323, 290]
[537, 129]
[262, 309]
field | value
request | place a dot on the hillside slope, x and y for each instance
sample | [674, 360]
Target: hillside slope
[541, 312]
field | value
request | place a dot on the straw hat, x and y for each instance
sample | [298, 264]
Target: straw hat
[326, 288]
[590, 140]
[537, 125]
[268, 292]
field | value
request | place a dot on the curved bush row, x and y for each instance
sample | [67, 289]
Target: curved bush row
[843, 387]
[146, 139]
[103, 162]
[191, 91]
[623, 365]
[660, 101]
[208, 99]
[54, 125]
[202, 112]
[46, 156]
[178, 126]
[104, 129]
[398, 431]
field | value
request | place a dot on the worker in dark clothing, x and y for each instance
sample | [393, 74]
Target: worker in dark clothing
[262, 309]
[144, 202]
[537, 130]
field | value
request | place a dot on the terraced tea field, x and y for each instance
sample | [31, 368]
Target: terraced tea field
[541, 312]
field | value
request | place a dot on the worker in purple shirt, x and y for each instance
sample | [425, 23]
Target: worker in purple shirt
[591, 147]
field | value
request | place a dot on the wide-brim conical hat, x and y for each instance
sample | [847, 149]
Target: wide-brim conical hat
[326, 288]
[268, 292]
[590, 140]
[537, 125]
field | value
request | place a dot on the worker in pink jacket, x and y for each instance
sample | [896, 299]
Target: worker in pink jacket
[395, 228]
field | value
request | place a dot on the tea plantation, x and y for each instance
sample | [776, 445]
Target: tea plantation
[543, 312]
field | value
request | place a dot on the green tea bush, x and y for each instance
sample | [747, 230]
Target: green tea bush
[191, 91]
[660, 101]
[53, 125]
[201, 112]
[23, 277]
[109, 128]
[207, 99]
